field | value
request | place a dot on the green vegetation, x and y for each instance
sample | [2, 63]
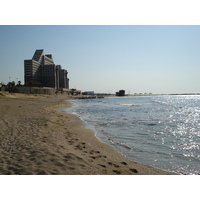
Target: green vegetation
[11, 87]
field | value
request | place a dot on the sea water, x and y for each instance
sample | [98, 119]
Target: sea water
[160, 131]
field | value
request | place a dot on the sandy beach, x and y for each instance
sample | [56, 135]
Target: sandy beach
[37, 138]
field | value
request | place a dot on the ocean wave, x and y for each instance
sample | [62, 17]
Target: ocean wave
[119, 144]
[125, 104]
[160, 102]
[123, 145]
[108, 138]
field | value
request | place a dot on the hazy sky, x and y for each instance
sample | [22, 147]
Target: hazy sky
[156, 59]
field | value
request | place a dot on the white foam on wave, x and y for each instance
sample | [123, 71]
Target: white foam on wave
[125, 104]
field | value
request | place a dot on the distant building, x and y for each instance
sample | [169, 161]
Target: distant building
[88, 93]
[120, 93]
[41, 71]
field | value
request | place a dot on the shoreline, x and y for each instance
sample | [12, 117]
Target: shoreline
[38, 138]
[142, 166]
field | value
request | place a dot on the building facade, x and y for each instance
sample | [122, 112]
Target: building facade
[41, 71]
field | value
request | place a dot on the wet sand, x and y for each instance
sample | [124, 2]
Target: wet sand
[37, 138]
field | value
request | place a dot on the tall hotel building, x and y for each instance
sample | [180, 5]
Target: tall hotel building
[42, 71]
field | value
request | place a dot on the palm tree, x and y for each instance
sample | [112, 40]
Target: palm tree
[19, 83]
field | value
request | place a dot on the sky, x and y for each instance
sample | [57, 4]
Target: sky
[139, 59]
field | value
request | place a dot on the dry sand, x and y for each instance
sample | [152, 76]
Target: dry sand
[36, 137]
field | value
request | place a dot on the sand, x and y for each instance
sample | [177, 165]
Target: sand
[37, 138]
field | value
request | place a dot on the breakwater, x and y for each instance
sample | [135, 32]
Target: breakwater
[87, 97]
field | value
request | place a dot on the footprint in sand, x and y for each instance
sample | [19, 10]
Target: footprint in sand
[117, 166]
[80, 146]
[102, 166]
[134, 170]
[117, 172]
[112, 164]
[71, 142]
[92, 152]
